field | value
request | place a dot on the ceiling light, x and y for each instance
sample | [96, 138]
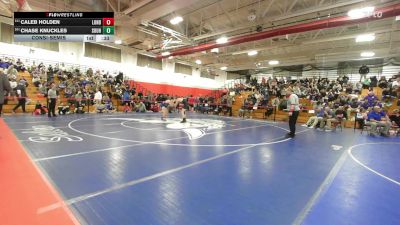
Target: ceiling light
[198, 61]
[215, 50]
[171, 57]
[273, 62]
[176, 20]
[365, 37]
[222, 40]
[118, 42]
[360, 13]
[367, 54]
[224, 68]
[251, 53]
[165, 53]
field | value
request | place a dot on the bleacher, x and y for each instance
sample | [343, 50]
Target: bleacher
[281, 115]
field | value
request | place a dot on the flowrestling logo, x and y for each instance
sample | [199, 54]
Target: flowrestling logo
[194, 128]
[49, 134]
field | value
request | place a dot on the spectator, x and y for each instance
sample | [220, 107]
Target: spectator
[12, 73]
[328, 114]
[383, 82]
[377, 118]
[127, 108]
[396, 83]
[314, 120]
[98, 97]
[21, 94]
[63, 109]
[339, 117]
[361, 117]
[140, 107]
[366, 83]
[395, 117]
[4, 87]
[363, 71]
[79, 108]
[229, 102]
[371, 97]
[39, 109]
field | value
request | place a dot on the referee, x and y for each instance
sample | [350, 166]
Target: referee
[293, 107]
[184, 106]
[52, 98]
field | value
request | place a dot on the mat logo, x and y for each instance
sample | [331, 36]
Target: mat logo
[49, 134]
[336, 147]
[194, 128]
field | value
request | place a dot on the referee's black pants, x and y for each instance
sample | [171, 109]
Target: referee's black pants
[292, 122]
[52, 107]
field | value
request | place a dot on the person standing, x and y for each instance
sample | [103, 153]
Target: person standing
[294, 108]
[52, 98]
[229, 102]
[363, 71]
[4, 87]
[184, 106]
[21, 92]
[98, 97]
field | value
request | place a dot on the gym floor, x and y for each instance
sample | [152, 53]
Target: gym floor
[136, 169]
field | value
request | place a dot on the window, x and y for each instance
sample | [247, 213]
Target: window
[207, 74]
[51, 46]
[232, 76]
[7, 33]
[147, 61]
[184, 69]
[7, 36]
[102, 52]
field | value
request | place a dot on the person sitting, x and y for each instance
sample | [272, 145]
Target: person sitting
[154, 107]
[127, 107]
[378, 118]
[361, 117]
[383, 82]
[242, 111]
[395, 117]
[386, 94]
[339, 117]
[313, 121]
[36, 81]
[79, 107]
[12, 73]
[63, 109]
[140, 107]
[366, 83]
[328, 114]
[365, 104]
[100, 107]
[40, 109]
[109, 107]
[354, 106]
[371, 98]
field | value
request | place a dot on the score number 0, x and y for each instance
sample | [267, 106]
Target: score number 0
[108, 21]
[108, 25]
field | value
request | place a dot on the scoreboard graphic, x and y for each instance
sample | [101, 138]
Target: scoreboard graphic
[64, 26]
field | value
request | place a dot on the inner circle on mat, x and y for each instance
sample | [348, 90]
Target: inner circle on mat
[202, 132]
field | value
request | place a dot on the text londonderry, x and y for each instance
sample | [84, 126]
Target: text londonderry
[44, 30]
